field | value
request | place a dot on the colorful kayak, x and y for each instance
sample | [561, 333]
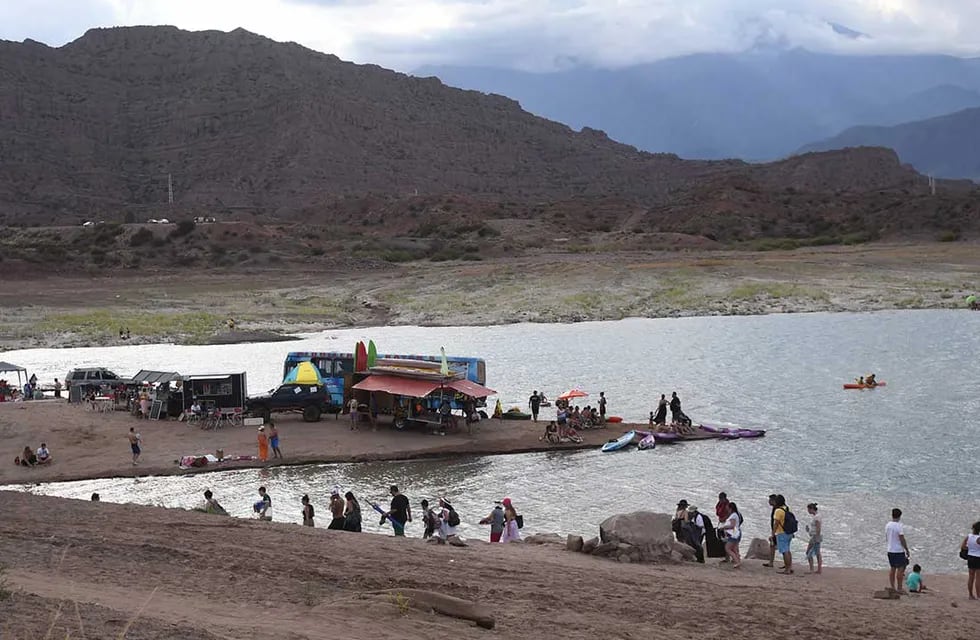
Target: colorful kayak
[621, 442]
[732, 433]
[660, 436]
[648, 442]
[861, 385]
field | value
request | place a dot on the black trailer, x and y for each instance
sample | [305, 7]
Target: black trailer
[226, 392]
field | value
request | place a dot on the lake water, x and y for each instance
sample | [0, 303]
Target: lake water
[913, 444]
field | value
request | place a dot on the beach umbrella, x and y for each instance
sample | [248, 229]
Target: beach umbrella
[573, 393]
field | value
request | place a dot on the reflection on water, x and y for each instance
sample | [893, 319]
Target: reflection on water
[858, 454]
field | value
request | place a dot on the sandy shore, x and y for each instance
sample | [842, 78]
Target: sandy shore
[560, 287]
[98, 570]
[87, 444]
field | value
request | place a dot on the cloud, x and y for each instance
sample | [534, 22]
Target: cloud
[530, 34]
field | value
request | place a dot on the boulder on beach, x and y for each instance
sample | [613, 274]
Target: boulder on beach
[589, 545]
[758, 550]
[574, 543]
[647, 531]
[543, 538]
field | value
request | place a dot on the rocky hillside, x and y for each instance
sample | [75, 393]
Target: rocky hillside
[251, 129]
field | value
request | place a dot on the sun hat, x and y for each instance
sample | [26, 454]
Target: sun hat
[261, 428]
[682, 504]
[506, 502]
[692, 509]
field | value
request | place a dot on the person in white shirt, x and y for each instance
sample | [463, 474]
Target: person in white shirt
[815, 529]
[898, 552]
[43, 455]
[732, 528]
[447, 532]
[971, 544]
[695, 532]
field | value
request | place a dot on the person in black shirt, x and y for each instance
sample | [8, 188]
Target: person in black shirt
[400, 513]
[602, 405]
[535, 403]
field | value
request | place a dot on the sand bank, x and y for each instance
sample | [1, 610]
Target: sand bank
[92, 570]
[87, 444]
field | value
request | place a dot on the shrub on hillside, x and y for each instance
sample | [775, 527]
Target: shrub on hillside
[183, 228]
[141, 237]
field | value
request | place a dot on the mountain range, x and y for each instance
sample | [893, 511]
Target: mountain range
[259, 131]
[947, 146]
[758, 105]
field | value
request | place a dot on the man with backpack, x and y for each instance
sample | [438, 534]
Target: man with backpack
[450, 521]
[784, 526]
[694, 530]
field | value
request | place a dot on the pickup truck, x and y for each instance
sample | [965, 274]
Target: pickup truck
[309, 399]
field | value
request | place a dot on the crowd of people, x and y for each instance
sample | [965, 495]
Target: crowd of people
[694, 528]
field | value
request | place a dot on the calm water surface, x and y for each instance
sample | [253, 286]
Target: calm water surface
[914, 444]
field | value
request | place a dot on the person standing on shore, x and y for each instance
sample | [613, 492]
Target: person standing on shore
[721, 507]
[784, 527]
[274, 440]
[535, 403]
[732, 529]
[263, 442]
[971, 545]
[815, 530]
[772, 531]
[135, 440]
[496, 521]
[308, 511]
[57, 388]
[352, 407]
[428, 520]
[352, 513]
[694, 532]
[680, 517]
[512, 530]
[898, 552]
[400, 513]
[337, 507]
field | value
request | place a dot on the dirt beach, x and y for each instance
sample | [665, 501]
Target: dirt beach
[86, 444]
[97, 570]
[558, 287]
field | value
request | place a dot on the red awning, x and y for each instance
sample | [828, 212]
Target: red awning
[397, 385]
[470, 389]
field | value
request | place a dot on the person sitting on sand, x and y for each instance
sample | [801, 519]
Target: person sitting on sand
[211, 505]
[551, 433]
[914, 582]
[43, 454]
[261, 508]
[27, 458]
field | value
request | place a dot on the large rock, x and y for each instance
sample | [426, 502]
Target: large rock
[606, 549]
[684, 551]
[648, 532]
[590, 545]
[758, 550]
[543, 538]
[574, 543]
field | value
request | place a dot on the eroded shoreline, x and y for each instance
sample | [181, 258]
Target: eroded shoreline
[195, 308]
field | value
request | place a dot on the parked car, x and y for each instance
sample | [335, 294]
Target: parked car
[309, 399]
[92, 376]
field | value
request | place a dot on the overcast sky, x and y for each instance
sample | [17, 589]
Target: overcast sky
[528, 34]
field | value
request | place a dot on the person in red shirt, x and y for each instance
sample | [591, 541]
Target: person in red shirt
[721, 509]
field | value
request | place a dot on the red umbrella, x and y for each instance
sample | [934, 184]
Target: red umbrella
[573, 393]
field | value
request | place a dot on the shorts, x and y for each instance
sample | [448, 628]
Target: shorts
[973, 562]
[898, 560]
[731, 540]
[495, 536]
[782, 542]
[135, 448]
[813, 550]
[274, 443]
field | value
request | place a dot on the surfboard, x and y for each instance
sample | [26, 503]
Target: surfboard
[387, 517]
[372, 353]
[360, 357]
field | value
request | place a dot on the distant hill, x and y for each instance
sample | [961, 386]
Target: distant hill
[758, 105]
[947, 146]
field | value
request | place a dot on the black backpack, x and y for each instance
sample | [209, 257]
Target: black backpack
[790, 525]
[453, 518]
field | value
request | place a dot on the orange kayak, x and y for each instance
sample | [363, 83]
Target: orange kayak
[855, 385]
